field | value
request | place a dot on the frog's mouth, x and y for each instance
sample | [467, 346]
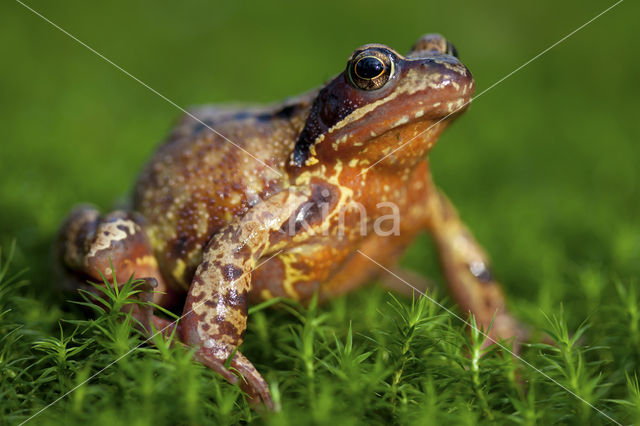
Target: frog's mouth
[426, 89]
[435, 103]
[436, 87]
[405, 126]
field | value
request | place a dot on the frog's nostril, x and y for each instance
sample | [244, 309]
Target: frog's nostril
[427, 62]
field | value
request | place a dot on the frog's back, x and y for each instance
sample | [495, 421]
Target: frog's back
[200, 179]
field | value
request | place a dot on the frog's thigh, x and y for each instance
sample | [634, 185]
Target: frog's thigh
[90, 244]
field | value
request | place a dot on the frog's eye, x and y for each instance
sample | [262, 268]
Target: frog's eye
[451, 50]
[370, 69]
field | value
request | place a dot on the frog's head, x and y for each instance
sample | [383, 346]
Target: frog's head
[384, 100]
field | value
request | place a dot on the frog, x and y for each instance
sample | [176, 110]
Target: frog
[241, 205]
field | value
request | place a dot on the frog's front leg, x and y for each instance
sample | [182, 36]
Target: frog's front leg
[215, 312]
[466, 268]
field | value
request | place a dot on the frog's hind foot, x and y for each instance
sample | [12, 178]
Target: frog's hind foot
[152, 324]
[93, 247]
[145, 310]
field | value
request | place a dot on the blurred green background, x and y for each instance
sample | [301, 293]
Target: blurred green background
[544, 166]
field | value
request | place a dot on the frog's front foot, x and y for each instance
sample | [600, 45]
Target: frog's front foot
[224, 359]
[505, 327]
[250, 380]
[254, 384]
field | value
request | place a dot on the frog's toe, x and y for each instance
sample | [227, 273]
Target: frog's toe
[250, 380]
[207, 358]
[253, 384]
[506, 328]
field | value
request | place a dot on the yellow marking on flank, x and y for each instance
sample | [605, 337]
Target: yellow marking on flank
[178, 270]
[290, 276]
[146, 260]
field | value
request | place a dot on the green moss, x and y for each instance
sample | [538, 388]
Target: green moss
[416, 365]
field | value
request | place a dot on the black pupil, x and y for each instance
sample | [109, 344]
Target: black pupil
[369, 67]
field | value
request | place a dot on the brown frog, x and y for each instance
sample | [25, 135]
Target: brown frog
[243, 205]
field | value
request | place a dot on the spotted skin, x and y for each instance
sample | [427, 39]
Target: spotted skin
[227, 230]
[113, 247]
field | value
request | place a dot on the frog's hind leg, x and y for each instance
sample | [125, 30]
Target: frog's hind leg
[116, 246]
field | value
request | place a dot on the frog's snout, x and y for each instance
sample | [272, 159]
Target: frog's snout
[441, 81]
[444, 70]
[437, 59]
